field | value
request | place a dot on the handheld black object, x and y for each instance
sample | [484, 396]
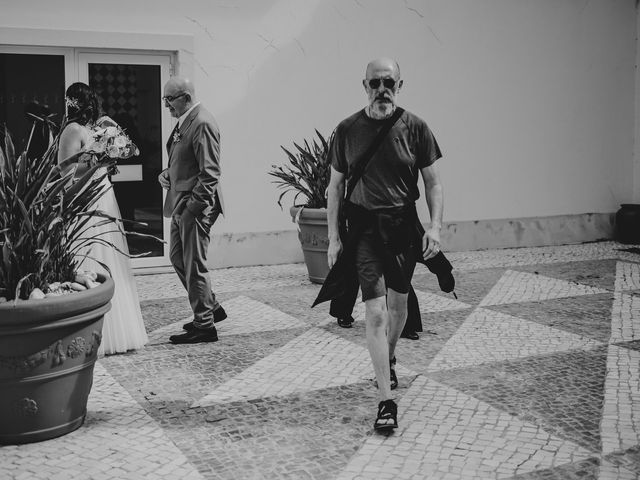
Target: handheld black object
[441, 267]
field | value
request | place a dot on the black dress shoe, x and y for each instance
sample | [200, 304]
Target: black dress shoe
[195, 336]
[346, 322]
[218, 315]
[410, 335]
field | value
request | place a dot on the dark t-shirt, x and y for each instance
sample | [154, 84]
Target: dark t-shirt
[391, 176]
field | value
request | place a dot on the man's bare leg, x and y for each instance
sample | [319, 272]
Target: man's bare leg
[377, 322]
[397, 312]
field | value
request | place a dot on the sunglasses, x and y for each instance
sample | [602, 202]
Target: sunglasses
[171, 98]
[374, 83]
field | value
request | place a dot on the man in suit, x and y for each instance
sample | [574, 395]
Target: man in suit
[193, 203]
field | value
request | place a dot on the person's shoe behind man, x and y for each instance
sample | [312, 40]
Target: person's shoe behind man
[218, 315]
[411, 335]
[346, 321]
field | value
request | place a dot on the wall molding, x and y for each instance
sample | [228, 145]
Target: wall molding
[95, 39]
[528, 232]
[278, 247]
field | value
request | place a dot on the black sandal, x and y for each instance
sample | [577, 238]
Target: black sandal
[387, 416]
[392, 370]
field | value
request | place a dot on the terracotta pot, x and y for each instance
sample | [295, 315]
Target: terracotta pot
[628, 223]
[48, 349]
[314, 239]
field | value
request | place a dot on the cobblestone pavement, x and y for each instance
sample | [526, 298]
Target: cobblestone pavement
[532, 373]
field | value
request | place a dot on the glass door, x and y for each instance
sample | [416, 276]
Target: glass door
[130, 86]
[32, 81]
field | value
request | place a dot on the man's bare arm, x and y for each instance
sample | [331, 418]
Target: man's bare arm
[335, 194]
[435, 202]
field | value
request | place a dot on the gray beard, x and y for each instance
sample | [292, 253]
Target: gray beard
[380, 111]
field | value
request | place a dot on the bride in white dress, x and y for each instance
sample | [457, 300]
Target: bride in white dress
[123, 327]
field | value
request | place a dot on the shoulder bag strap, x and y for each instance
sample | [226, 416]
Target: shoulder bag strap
[359, 168]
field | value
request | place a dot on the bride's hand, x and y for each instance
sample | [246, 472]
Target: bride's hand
[85, 158]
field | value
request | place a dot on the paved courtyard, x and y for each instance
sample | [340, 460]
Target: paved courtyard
[532, 373]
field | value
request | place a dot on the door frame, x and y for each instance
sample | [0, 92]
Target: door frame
[164, 60]
[68, 53]
[75, 70]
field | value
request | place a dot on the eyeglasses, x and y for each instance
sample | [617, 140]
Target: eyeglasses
[171, 98]
[374, 83]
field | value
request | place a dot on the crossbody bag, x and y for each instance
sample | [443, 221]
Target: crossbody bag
[361, 165]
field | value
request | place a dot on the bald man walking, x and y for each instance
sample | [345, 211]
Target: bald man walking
[193, 203]
[385, 237]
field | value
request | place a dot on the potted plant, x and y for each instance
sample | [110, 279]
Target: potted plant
[307, 174]
[48, 339]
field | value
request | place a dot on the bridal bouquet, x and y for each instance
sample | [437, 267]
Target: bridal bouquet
[113, 142]
[110, 143]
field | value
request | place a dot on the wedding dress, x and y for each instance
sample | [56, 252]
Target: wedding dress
[123, 327]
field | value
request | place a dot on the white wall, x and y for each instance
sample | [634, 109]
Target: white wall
[532, 102]
[636, 152]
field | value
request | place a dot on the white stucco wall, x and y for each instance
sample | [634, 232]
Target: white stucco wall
[532, 102]
[636, 152]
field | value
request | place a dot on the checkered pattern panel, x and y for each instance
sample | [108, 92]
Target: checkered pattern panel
[117, 86]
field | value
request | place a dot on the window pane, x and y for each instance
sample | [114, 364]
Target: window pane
[25, 79]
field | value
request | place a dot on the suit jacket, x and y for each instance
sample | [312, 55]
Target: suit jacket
[194, 164]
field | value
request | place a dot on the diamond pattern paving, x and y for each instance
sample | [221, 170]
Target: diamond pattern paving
[527, 287]
[629, 459]
[586, 315]
[489, 336]
[627, 276]
[164, 374]
[314, 360]
[512, 257]
[621, 413]
[533, 373]
[244, 316]
[595, 273]
[305, 435]
[119, 440]
[625, 318]
[563, 393]
[610, 471]
[588, 469]
[447, 434]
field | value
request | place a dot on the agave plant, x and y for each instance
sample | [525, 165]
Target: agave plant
[46, 217]
[307, 173]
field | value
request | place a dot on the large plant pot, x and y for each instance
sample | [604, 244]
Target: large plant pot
[48, 349]
[628, 223]
[314, 239]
